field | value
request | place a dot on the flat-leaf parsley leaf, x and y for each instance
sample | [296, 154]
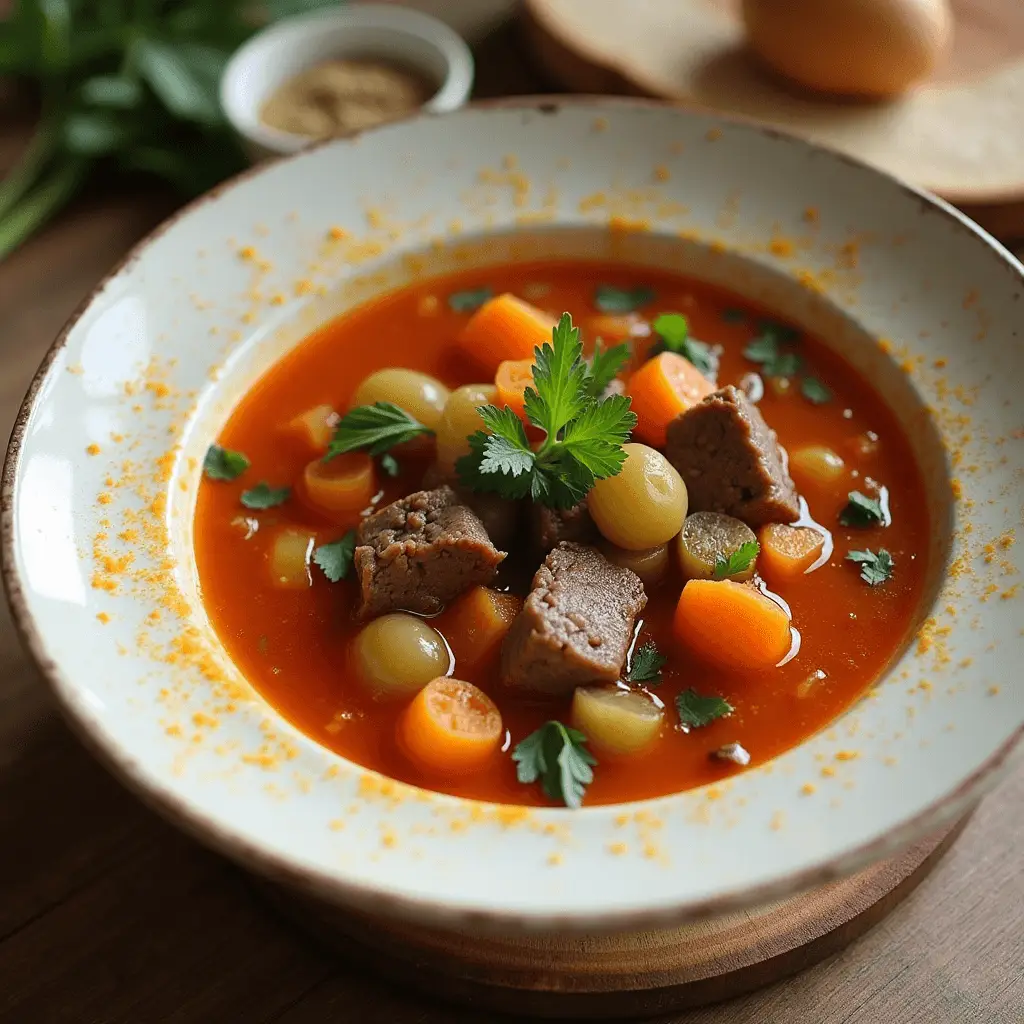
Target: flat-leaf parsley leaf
[673, 331]
[814, 391]
[875, 569]
[764, 350]
[374, 428]
[736, 561]
[646, 665]
[696, 711]
[264, 496]
[605, 364]
[557, 755]
[335, 559]
[860, 510]
[470, 300]
[610, 299]
[223, 464]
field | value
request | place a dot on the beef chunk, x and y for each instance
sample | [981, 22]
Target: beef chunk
[419, 553]
[500, 516]
[576, 624]
[550, 526]
[730, 460]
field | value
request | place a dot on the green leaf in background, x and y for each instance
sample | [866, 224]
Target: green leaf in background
[112, 91]
[278, 9]
[95, 133]
[184, 76]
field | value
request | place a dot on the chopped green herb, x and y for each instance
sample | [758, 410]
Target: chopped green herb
[814, 391]
[264, 496]
[558, 756]
[646, 665]
[469, 301]
[610, 299]
[861, 511]
[673, 330]
[875, 569]
[389, 464]
[336, 558]
[583, 442]
[737, 561]
[782, 333]
[375, 428]
[223, 464]
[733, 316]
[764, 350]
[696, 711]
[604, 367]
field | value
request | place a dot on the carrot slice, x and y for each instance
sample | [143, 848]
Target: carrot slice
[612, 329]
[341, 487]
[450, 728]
[476, 624]
[514, 376]
[504, 328]
[788, 551]
[732, 624]
[661, 389]
[314, 428]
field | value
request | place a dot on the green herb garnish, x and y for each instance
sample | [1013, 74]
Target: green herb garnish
[782, 333]
[264, 496]
[696, 711]
[583, 441]
[375, 429]
[610, 299]
[557, 755]
[646, 665]
[470, 300]
[336, 558]
[736, 561]
[389, 464]
[875, 569]
[673, 331]
[604, 367]
[861, 511]
[814, 391]
[764, 350]
[223, 464]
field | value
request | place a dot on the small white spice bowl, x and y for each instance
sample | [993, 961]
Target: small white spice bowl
[281, 51]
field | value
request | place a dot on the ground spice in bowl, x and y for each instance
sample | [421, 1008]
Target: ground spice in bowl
[342, 96]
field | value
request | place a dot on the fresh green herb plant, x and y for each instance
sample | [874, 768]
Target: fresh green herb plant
[875, 568]
[223, 464]
[610, 299]
[736, 561]
[605, 364]
[374, 429]
[471, 300]
[696, 711]
[673, 331]
[646, 665]
[263, 496]
[335, 559]
[862, 511]
[557, 755]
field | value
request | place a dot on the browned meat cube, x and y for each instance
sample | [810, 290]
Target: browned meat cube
[731, 461]
[550, 526]
[419, 553]
[576, 625]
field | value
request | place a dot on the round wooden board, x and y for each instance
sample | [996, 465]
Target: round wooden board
[958, 135]
[602, 977]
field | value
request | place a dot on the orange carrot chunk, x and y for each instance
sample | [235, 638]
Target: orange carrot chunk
[514, 376]
[612, 329]
[314, 428]
[788, 551]
[451, 728]
[732, 624]
[504, 328]
[661, 389]
[342, 487]
[476, 624]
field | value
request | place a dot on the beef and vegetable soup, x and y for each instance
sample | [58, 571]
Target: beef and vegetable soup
[561, 533]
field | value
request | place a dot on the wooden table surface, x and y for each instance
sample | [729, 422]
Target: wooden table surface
[107, 914]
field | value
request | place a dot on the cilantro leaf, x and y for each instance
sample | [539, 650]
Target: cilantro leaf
[646, 665]
[559, 378]
[336, 558]
[696, 711]
[604, 367]
[875, 569]
[264, 496]
[470, 300]
[764, 350]
[673, 330]
[557, 756]
[389, 464]
[736, 561]
[814, 391]
[492, 480]
[595, 438]
[610, 299]
[861, 511]
[375, 428]
[223, 464]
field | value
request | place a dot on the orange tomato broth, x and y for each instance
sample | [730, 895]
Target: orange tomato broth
[292, 644]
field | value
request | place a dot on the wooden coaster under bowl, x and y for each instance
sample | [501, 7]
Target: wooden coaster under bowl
[958, 135]
[631, 974]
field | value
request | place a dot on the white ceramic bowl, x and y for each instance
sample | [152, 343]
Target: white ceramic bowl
[97, 541]
[282, 50]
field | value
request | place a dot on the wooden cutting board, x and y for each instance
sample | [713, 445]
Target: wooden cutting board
[960, 135]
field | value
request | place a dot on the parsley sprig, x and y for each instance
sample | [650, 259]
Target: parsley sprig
[673, 331]
[605, 365]
[736, 561]
[646, 665]
[557, 755]
[875, 568]
[862, 511]
[697, 711]
[374, 428]
[583, 437]
[223, 463]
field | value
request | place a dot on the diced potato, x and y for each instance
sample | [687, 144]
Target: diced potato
[816, 463]
[419, 394]
[615, 721]
[650, 565]
[708, 536]
[314, 428]
[398, 654]
[289, 557]
[644, 506]
[460, 419]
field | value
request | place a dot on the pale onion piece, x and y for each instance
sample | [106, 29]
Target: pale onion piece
[615, 721]
[423, 397]
[708, 536]
[644, 505]
[289, 557]
[460, 419]
[734, 752]
[650, 565]
[817, 463]
[396, 655]
[315, 427]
